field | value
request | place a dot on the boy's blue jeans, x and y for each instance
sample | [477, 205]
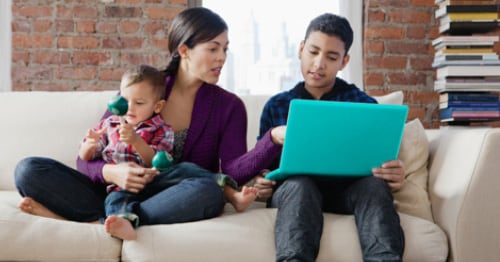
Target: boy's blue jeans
[184, 193]
[301, 201]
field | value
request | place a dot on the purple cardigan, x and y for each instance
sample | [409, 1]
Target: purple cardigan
[216, 136]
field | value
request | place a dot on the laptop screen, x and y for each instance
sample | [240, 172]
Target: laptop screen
[330, 138]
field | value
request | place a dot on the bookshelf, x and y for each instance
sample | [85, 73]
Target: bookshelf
[467, 61]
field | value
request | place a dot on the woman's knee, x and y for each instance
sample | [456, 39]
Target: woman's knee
[211, 195]
[188, 169]
[187, 166]
[25, 169]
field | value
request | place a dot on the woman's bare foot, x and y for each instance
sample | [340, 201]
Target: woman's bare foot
[241, 200]
[30, 206]
[120, 227]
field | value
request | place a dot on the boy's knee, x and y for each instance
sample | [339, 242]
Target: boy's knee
[298, 187]
[373, 189]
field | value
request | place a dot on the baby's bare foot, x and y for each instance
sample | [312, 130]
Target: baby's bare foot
[244, 198]
[120, 228]
[30, 206]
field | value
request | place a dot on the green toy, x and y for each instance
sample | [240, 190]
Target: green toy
[162, 160]
[118, 105]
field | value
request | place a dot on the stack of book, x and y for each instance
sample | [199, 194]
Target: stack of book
[469, 107]
[462, 17]
[467, 60]
[466, 63]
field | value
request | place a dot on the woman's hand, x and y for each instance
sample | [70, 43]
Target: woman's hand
[278, 135]
[393, 172]
[264, 186]
[129, 176]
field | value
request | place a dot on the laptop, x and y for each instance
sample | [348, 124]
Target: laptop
[327, 138]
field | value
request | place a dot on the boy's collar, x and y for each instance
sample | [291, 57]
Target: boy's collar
[301, 91]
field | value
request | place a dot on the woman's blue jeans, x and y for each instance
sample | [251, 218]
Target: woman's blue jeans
[184, 193]
[301, 201]
[184, 182]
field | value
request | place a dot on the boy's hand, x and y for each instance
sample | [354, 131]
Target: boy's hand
[128, 134]
[393, 172]
[264, 186]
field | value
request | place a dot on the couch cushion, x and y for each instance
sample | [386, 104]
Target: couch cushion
[413, 197]
[249, 236]
[32, 238]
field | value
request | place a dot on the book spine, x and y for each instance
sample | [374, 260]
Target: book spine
[472, 109]
[471, 8]
[447, 114]
[465, 2]
[468, 27]
[470, 104]
[470, 97]
[471, 16]
[467, 71]
[463, 56]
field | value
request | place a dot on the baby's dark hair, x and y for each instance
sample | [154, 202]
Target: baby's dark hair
[332, 25]
[191, 27]
[147, 73]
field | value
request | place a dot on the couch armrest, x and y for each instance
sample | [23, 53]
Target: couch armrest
[464, 190]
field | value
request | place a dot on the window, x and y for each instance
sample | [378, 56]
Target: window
[5, 44]
[264, 37]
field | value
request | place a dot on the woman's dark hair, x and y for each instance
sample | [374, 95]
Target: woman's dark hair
[332, 25]
[191, 27]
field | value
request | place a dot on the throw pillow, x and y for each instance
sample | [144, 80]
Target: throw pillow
[413, 197]
[395, 98]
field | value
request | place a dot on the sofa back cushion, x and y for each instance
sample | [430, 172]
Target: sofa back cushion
[49, 124]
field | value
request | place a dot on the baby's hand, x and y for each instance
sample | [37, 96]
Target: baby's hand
[90, 143]
[128, 134]
[92, 136]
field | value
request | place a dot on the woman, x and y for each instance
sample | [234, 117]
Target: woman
[210, 133]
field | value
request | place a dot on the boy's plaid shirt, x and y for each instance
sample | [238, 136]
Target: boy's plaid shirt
[275, 112]
[156, 133]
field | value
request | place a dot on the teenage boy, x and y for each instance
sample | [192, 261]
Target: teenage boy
[301, 200]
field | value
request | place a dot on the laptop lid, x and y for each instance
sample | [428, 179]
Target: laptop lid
[328, 138]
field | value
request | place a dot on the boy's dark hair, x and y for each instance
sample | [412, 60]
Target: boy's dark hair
[147, 73]
[332, 25]
[191, 27]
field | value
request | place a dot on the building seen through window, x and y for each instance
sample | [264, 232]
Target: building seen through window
[264, 37]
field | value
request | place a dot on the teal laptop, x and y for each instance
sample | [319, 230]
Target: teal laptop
[327, 138]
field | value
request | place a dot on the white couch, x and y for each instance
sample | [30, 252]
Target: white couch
[463, 190]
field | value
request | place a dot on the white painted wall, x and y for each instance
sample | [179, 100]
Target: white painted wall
[353, 11]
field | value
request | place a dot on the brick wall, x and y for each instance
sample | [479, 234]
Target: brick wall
[398, 53]
[86, 44]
